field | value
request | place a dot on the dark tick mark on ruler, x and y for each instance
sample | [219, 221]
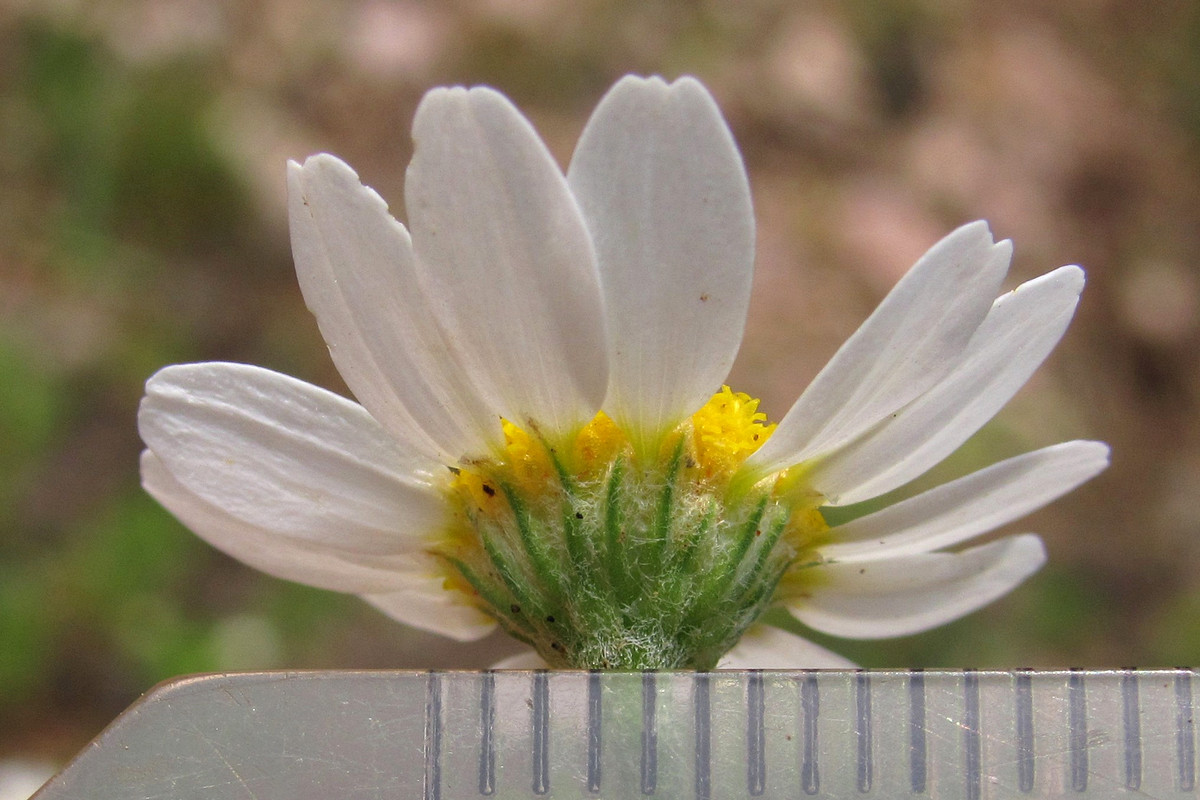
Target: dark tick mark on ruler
[972, 743]
[1077, 727]
[487, 741]
[810, 707]
[756, 758]
[594, 741]
[541, 733]
[917, 764]
[1024, 716]
[862, 730]
[1185, 732]
[433, 737]
[649, 733]
[703, 739]
[1132, 718]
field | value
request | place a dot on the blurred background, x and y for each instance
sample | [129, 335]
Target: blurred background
[142, 223]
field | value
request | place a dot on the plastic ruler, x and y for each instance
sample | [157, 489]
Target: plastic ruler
[702, 736]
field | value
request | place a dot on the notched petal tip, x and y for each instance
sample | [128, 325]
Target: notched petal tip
[445, 101]
[1002, 249]
[319, 161]
[327, 183]
[633, 91]
[659, 85]
[324, 169]
[654, 80]
[973, 240]
[977, 229]
[174, 379]
[685, 91]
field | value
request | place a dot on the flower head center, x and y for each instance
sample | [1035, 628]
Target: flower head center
[601, 558]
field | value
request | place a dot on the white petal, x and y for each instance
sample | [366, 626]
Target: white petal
[506, 259]
[909, 594]
[527, 659]
[356, 269]
[1019, 332]
[273, 552]
[969, 506]
[914, 338]
[429, 606]
[280, 454]
[665, 196]
[767, 647]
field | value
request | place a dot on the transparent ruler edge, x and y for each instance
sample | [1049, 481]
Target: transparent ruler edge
[1092, 733]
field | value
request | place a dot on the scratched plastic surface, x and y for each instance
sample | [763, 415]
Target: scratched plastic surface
[462, 735]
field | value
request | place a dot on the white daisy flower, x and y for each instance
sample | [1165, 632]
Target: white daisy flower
[539, 444]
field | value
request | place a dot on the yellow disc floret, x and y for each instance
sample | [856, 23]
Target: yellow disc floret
[726, 431]
[598, 445]
[528, 460]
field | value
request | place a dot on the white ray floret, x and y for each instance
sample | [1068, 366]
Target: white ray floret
[913, 340]
[913, 593]
[963, 509]
[1016, 336]
[356, 268]
[278, 453]
[666, 200]
[505, 257]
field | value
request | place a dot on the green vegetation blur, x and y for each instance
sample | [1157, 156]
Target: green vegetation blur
[142, 149]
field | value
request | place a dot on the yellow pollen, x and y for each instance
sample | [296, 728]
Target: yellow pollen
[727, 430]
[527, 457]
[599, 444]
[718, 438]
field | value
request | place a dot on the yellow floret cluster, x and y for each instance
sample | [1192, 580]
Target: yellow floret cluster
[602, 557]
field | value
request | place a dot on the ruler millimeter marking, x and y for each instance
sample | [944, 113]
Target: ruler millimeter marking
[972, 741]
[649, 762]
[433, 737]
[1077, 725]
[707, 736]
[1186, 732]
[594, 731]
[703, 753]
[756, 736]
[918, 756]
[1132, 719]
[1023, 717]
[487, 742]
[862, 730]
[810, 705]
